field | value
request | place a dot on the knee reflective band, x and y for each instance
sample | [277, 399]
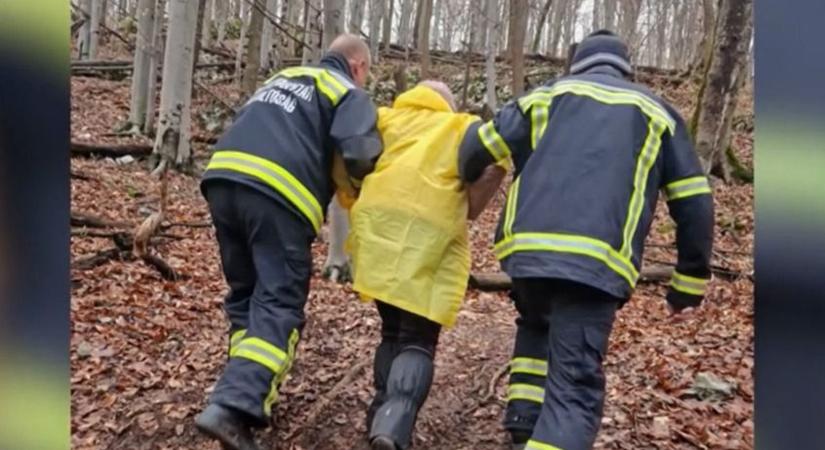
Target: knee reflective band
[274, 176]
[687, 187]
[525, 392]
[530, 366]
[493, 141]
[533, 444]
[568, 243]
[272, 397]
[262, 352]
[688, 285]
[235, 339]
[644, 162]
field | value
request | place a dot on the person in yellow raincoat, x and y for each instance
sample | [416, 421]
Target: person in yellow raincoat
[409, 247]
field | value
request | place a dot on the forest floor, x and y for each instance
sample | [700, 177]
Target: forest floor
[146, 351]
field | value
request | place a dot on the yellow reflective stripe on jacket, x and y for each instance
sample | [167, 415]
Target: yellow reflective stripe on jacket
[510, 211]
[262, 352]
[493, 141]
[533, 444]
[276, 177]
[568, 243]
[530, 366]
[538, 123]
[688, 285]
[235, 339]
[332, 86]
[687, 187]
[525, 392]
[644, 162]
[614, 95]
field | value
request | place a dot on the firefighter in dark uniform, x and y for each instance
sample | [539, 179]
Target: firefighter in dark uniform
[591, 151]
[267, 185]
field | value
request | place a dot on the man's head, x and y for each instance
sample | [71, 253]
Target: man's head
[442, 89]
[357, 54]
[601, 47]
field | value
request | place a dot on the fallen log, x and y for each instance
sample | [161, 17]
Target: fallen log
[79, 219]
[110, 150]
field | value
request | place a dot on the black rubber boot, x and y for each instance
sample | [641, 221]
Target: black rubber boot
[227, 427]
[408, 384]
[384, 355]
[519, 439]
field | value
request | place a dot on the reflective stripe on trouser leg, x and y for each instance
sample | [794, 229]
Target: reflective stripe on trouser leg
[408, 385]
[528, 372]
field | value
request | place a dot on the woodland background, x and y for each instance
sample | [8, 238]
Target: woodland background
[155, 81]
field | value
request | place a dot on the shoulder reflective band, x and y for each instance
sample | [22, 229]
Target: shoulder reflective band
[537, 104]
[613, 95]
[493, 141]
[530, 366]
[687, 187]
[276, 177]
[235, 339]
[525, 392]
[533, 444]
[262, 352]
[688, 285]
[510, 210]
[568, 243]
[330, 85]
[644, 162]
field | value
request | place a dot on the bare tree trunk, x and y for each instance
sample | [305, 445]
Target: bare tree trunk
[206, 23]
[405, 25]
[312, 33]
[96, 14]
[424, 36]
[356, 16]
[663, 11]
[253, 51]
[518, 25]
[199, 32]
[597, 15]
[629, 18]
[241, 44]
[539, 26]
[554, 35]
[333, 21]
[221, 15]
[720, 88]
[268, 36]
[705, 48]
[84, 36]
[494, 23]
[172, 141]
[387, 13]
[154, 67]
[376, 17]
[142, 63]
[448, 27]
[289, 11]
[610, 15]
[435, 36]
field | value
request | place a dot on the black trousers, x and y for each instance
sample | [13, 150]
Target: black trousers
[403, 373]
[557, 386]
[267, 262]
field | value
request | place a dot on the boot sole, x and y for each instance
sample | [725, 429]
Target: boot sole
[383, 443]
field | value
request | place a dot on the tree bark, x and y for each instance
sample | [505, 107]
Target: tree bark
[333, 21]
[142, 63]
[720, 88]
[493, 25]
[518, 25]
[554, 33]
[539, 25]
[84, 36]
[206, 23]
[596, 16]
[253, 51]
[387, 13]
[376, 17]
[268, 36]
[424, 36]
[172, 142]
[610, 15]
[221, 15]
[404, 26]
[96, 19]
[154, 67]
[241, 47]
[448, 27]
[356, 17]
[435, 36]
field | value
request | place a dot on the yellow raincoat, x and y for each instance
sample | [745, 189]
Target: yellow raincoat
[408, 237]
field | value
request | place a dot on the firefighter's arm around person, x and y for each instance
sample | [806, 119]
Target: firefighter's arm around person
[355, 136]
[690, 204]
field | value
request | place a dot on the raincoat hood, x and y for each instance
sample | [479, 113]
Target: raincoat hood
[422, 97]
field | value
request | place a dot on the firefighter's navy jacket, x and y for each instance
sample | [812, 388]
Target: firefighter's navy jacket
[591, 152]
[282, 140]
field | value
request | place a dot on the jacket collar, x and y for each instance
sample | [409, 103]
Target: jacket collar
[336, 61]
[605, 69]
[422, 97]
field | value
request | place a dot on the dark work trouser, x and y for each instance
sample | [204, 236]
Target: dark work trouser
[557, 386]
[403, 373]
[267, 262]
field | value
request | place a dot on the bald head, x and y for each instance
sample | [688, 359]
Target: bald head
[357, 53]
[442, 89]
